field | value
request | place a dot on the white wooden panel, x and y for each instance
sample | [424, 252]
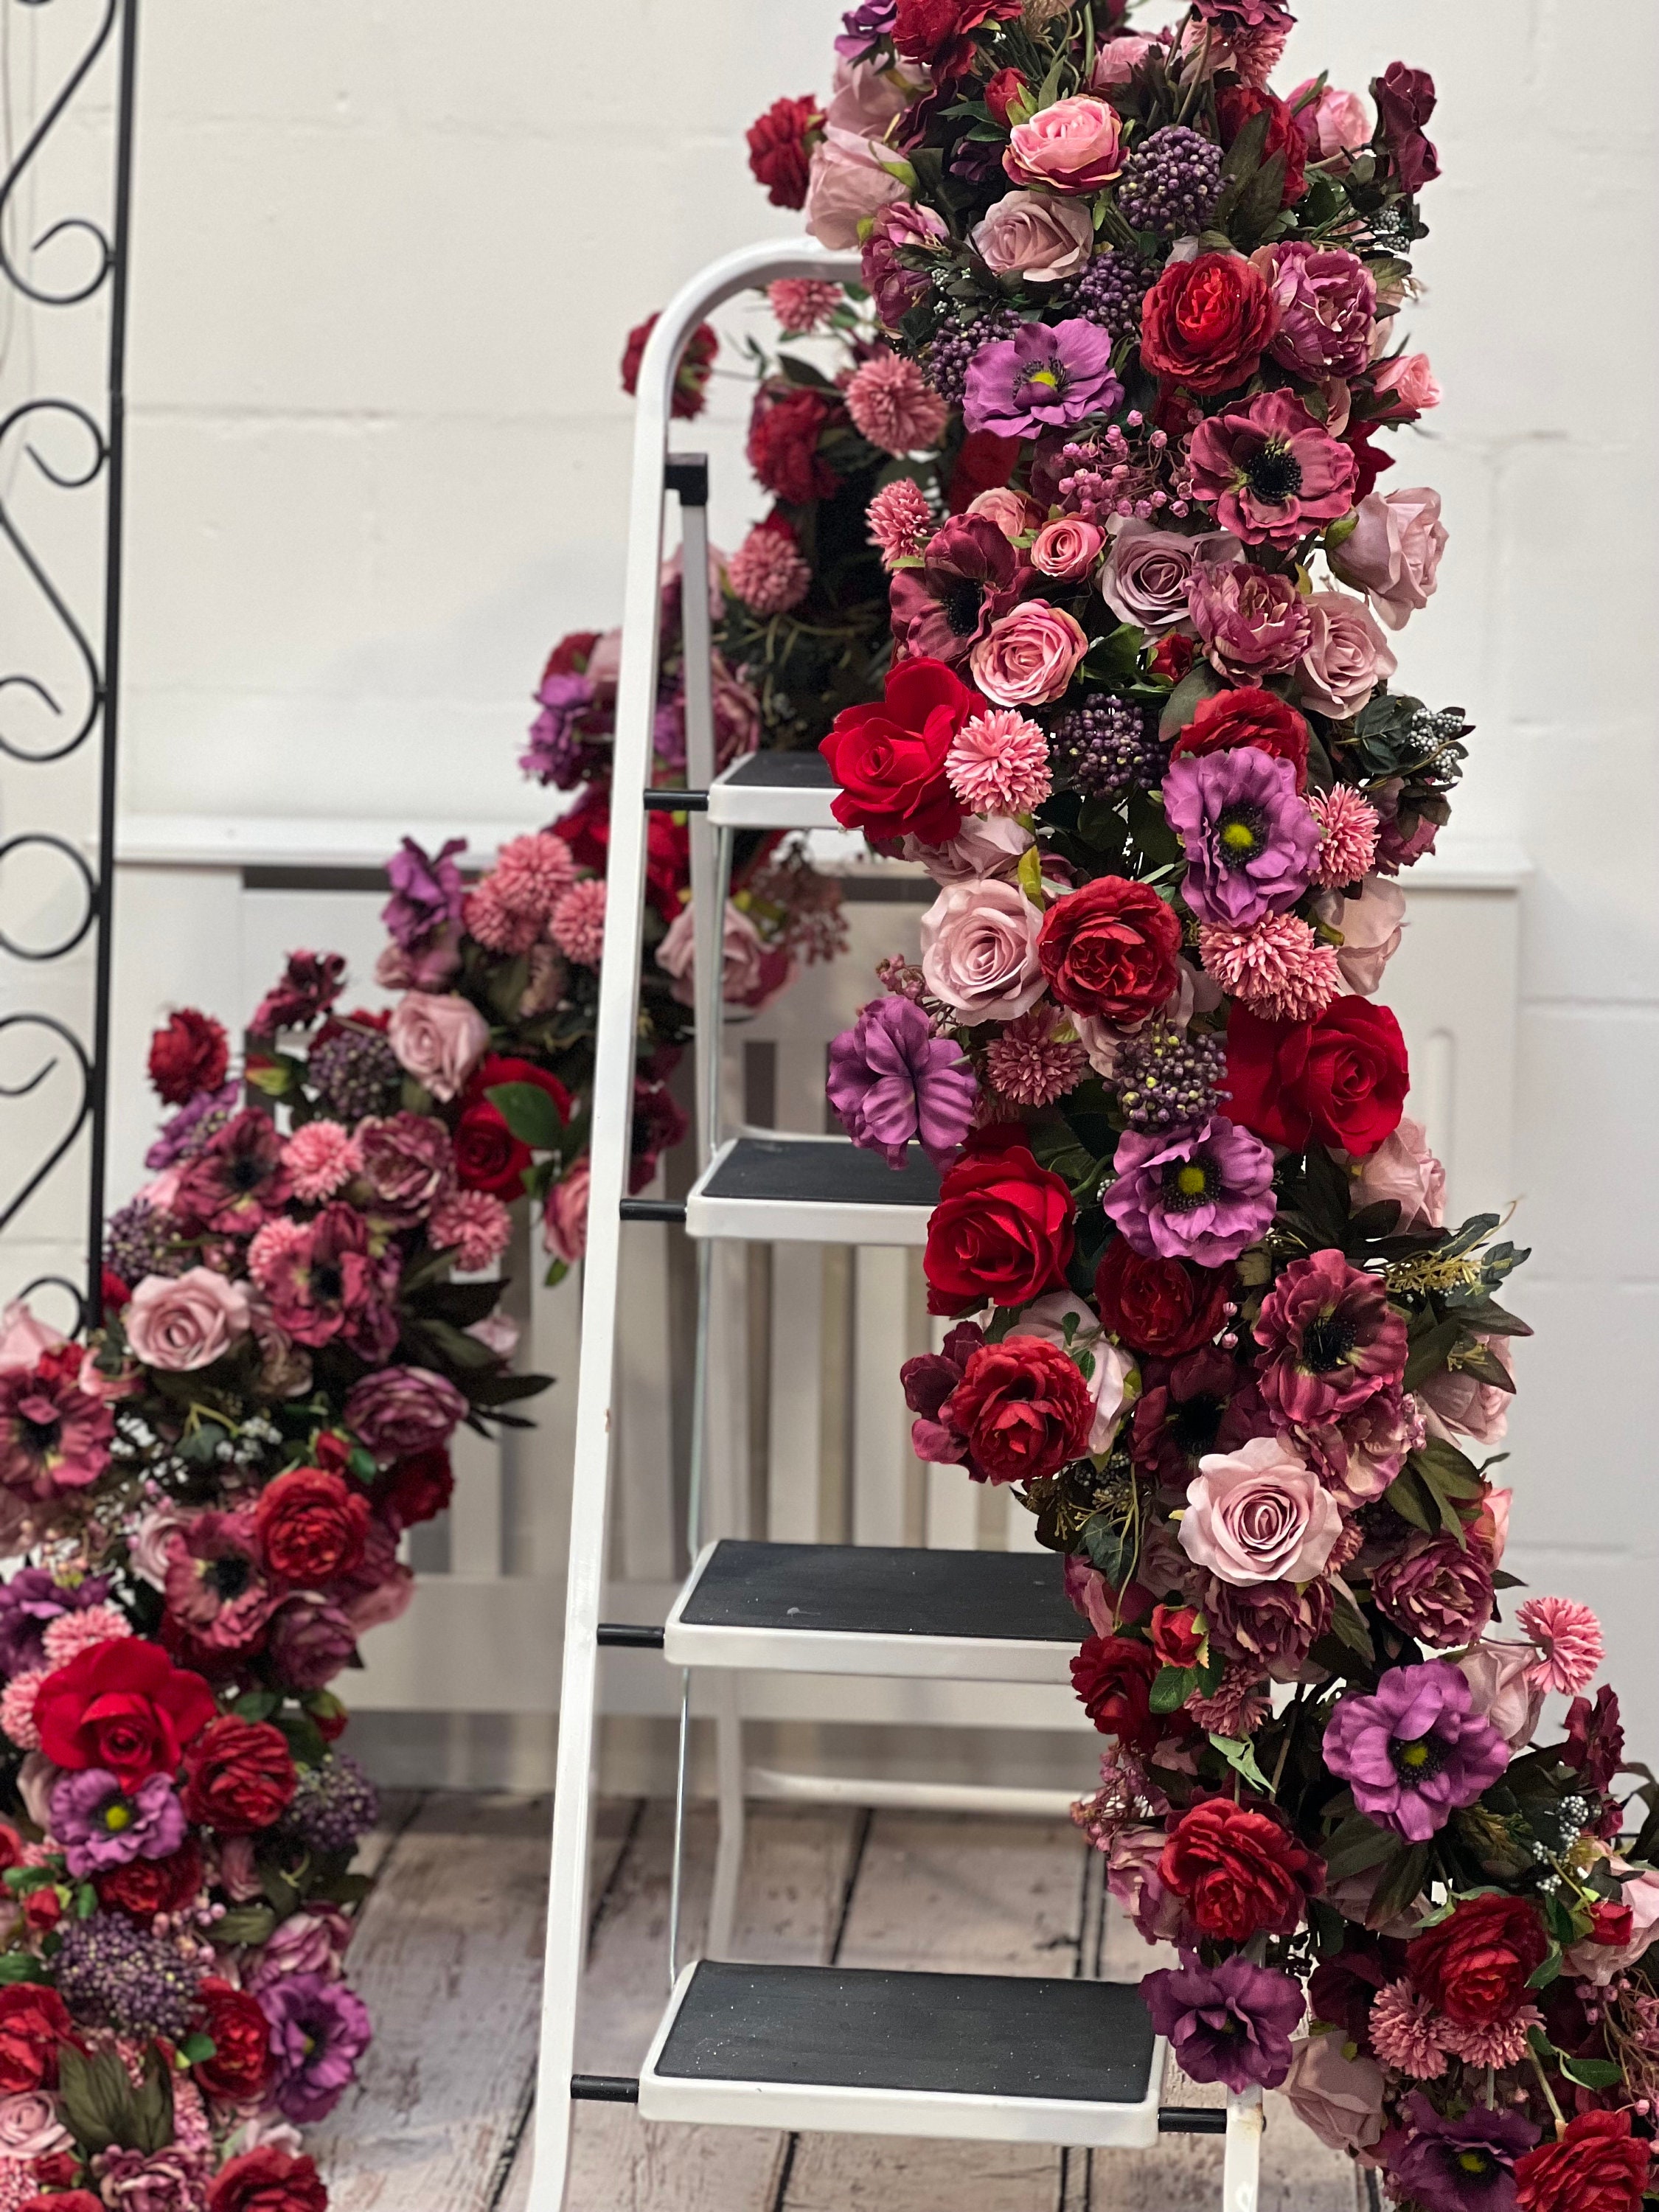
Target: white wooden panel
[881, 1443]
[796, 1398]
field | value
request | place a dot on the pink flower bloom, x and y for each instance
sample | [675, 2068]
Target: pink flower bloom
[1068, 549]
[1149, 572]
[1030, 656]
[18, 1708]
[577, 927]
[1327, 302]
[1116, 60]
[1410, 379]
[1403, 1168]
[1569, 1637]
[1331, 1340]
[1271, 472]
[1347, 656]
[564, 1216]
[801, 304]
[23, 1339]
[1031, 235]
[1339, 2098]
[320, 1158]
[1501, 1691]
[273, 1244]
[901, 522]
[237, 1180]
[894, 288]
[1074, 146]
[979, 951]
[893, 405]
[1496, 2042]
[531, 871]
[54, 1431]
[438, 1040]
[181, 1322]
[1602, 1963]
[476, 1224]
[1371, 927]
[329, 1284]
[998, 764]
[742, 956]
[1334, 123]
[1064, 1319]
[845, 184]
[1393, 553]
[1278, 968]
[1348, 826]
[1462, 1408]
[498, 926]
[1252, 625]
[767, 573]
[1407, 2031]
[74, 1632]
[408, 1166]
[980, 847]
[1014, 514]
[1031, 1065]
[1259, 1515]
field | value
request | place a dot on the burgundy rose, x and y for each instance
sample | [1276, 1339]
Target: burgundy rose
[783, 442]
[1024, 1408]
[939, 32]
[1404, 101]
[188, 1055]
[311, 1524]
[239, 1776]
[1112, 949]
[1437, 1590]
[311, 1640]
[780, 146]
[407, 1165]
[1236, 106]
[418, 1488]
[144, 1887]
[1166, 1307]
[1474, 1965]
[570, 656]
[267, 2180]
[33, 2021]
[928, 1382]
[1113, 1676]
[399, 1410]
[241, 2035]
[310, 984]
[124, 1705]
[1271, 1626]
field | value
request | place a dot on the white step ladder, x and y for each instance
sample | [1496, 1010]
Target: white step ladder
[990, 2057]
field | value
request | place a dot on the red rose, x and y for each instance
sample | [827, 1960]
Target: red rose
[1597, 2165]
[488, 1156]
[62, 2200]
[1240, 1870]
[33, 2021]
[43, 1909]
[1166, 1307]
[984, 462]
[1113, 1675]
[1172, 657]
[124, 1705]
[143, 1887]
[267, 2180]
[1001, 91]
[1177, 1636]
[417, 1489]
[1369, 459]
[239, 1778]
[686, 401]
[1001, 1234]
[311, 1526]
[1024, 1408]
[1248, 717]
[938, 32]
[570, 657]
[890, 759]
[1340, 1079]
[1235, 107]
[1611, 1923]
[1206, 323]
[1112, 949]
[587, 830]
[780, 144]
[1404, 101]
[1473, 1965]
[240, 2064]
[190, 1054]
[783, 443]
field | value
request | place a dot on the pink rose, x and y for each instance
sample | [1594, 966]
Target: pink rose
[1601, 1962]
[894, 288]
[1259, 1515]
[1501, 1691]
[407, 1163]
[1339, 2098]
[1014, 514]
[1347, 656]
[1133, 1877]
[24, 1342]
[396, 1411]
[1410, 379]
[1334, 125]
[1026, 234]
[1116, 60]
[564, 1218]
[847, 183]
[1371, 927]
[1149, 572]
[1403, 1168]
[428, 969]
[1066, 548]
[1075, 146]
[1030, 656]
[1458, 1408]
[180, 1322]
[437, 1041]
[1109, 1384]
[980, 848]
[1252, 625]
[30, 2127]
[979, 951]
[742, 948]
[312, 1941]
[1393, 554]
[866, 99]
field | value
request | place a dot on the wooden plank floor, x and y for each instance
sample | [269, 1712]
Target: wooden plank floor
[448, 1958]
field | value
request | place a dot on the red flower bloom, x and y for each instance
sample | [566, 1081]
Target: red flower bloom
[1177, 1636]
[1111, 949]
[33, 2021]
[240, 2064]
[1598, 2165]
[890, 759]
[124, 1705]
[239, 1182]
[1404, 101]
[587, 830]
[1166, 1307]
[1610, 1924]
[1595, 1748]
[1473, 1965]
[1248, 717]
[190, 1054]
[143, 1887]
[780, 144]
[1240, 1870]
[267, 2180]
[1237, 104]
[1339, 1079]
[311, 1526]
[310, 984]
[62, 2200]
[1024, 1408]
[1172, 657]
[1001, 1233]
[569, 656]
[1113, 1675]
[1206, 323]
[488, 1156]
[240, 1777]
[984, 462]
[940, 31]
[689, 400]
[1369, 459]
[783, 443]
[418, 1488]
[1001, 91]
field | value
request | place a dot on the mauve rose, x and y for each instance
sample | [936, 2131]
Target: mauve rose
[1337, 2098]
[1116, 60]
[1028, 234]
[1149, 572]
[564, 1216]
[1252, 625]
[846, 184]
[1333, 124]
[741, 950]
[1501, 1689]
[399, 1410]
[1014, 514]
[1393, 554]
[181, 1322]
[1371, 927]
[1133, 1877]
[1410, 379]
[1066, 548]
[312, 1941]
[438, 1040]
[1259, 1515]
[1460, 1408]
[979, 951]
[30, 2127]
[983, 847]
[1347, 656]
[866, 99]
[1437, 1589]
[1403, 1168]
[1074, 146]
[408, 1166]
[1030, 656]
[894, 288]
[308, 1642]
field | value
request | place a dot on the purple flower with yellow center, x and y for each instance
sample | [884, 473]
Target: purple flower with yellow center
[1414, 1752]
[1252, 844]
[1230, 2023]
[1046, 377]
[319, 2030]
[1197, 1193]
[890, 1079]
[100, 1825]
[1462, 2165]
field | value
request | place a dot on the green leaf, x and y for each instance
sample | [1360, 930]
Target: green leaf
[1199, 683]
[1590, 2072]
[1541, 1977]
[529, 1113]
[255, 1704]
[557, 1272]
[153, 2105]
[1030, 874]
[1448, 1469]
[246, 1923]
[20, 1966]
[1349, 1622]
[1241, 1757]
[1111, 1547]
[1357, 1845]
[1244, 156]
[1171, 1687]
[99, 2103]
[1406, 1496]
[197, 2050]
[1400, 1885]
[1258, 202]
[1429, 1352]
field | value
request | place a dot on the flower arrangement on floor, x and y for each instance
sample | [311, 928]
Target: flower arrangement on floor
[206, 1499]
[1210, 1318]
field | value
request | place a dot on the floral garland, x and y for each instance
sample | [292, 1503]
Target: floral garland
[1142, 729]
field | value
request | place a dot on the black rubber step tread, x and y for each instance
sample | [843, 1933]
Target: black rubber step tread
[999, 2035]
[876, 1589]
[826, 1172]
[770, 771]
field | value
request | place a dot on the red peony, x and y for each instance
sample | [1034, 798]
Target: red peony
[33, 2021]
[783, 443]
[240, 2064]
[240, 1777]
[1178, 1637]
[1339, 1079]
[1597, 2165]
[890, 759]
[570, 657]
[190, 1054]
[143, 1887]
[488, 1156]
[311, 1526]
[939, 32]
[1239, 1869]
[1473, 1965]
[1113, 1675]
[1237, 104]
[124, 1705]
[687, 402]
[1248, 717]
[267, 2180]
[1024, 1408]
[780, 148]
[418, 1488]
[1166, 1307]
[1405, 101]
[1112, 949]
[984, 462]
[1206, 323]
[1001, 1233]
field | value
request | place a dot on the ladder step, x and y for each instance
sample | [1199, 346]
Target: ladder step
[875, 1609]
[990, 2057]
[811, 1190]
[774, 791]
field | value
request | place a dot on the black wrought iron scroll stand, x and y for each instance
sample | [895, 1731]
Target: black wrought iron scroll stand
[107, 443]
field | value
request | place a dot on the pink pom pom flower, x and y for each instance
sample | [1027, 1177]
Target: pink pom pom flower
[476, 1224]
[1348, 830]
[72, 1634]
[901, 522]
[1568, 1637]
[1030, 1066]
[577, 927]
[998, 764]
[320, 1158]
[494, 924]
[1277, 968]
[529, 873]
[894, 406]
[803, 304]
[768, 573]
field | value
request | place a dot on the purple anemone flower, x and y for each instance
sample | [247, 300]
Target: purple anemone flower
[319, 2030]
[426, 892]
[1200, 1194]
[1414, 1753]
[1462, 2165]
[100, 1825]
[29, 1602]
[1230, 2023]
[1044, 378]
[1252, 844]
[554, 754]
[890, 1079]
